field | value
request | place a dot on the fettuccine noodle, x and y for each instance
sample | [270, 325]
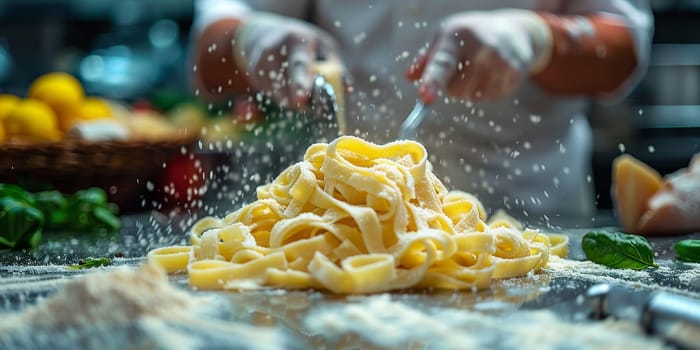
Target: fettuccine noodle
[355, 217]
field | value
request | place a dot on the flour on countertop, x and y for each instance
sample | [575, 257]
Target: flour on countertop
[120, 307]
[127, 308]
[690, 277]
[686, 276]
[386, 323]
[119, 296]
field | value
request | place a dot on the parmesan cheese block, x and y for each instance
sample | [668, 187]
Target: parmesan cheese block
[634, 183]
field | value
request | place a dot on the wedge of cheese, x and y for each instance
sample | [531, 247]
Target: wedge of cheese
[634, 183]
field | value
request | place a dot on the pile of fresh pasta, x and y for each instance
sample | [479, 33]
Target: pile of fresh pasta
[356, 217]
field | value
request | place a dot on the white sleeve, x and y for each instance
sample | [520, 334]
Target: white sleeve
[208, 11]
[290, 8]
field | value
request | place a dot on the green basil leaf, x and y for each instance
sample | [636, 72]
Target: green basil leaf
[93, 196]
[618, 250]
[16, 192]
[33, 240]
[104, 218]
[51, 200]
[688, 250]
[5, 242]
[20, 224]
[53, 204]
[90, 263]
[86, 211]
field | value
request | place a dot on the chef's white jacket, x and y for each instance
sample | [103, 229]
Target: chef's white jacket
[529, 154]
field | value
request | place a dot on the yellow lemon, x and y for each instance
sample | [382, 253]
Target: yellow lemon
[90, 109]
[95, 108]
[61, 91]
[7, 104]
[66, 121]
[32, 120]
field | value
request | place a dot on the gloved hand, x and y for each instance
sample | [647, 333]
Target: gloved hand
[279, 54]
[482, 55]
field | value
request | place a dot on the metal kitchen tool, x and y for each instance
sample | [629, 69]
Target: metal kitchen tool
[409, 127]
[323, 110]
[674, 317]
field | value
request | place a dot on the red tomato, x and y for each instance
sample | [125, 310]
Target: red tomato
[143, 106]
[246, 111]
[182, 181]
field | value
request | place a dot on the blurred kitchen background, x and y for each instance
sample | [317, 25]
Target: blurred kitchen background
[128, 49]
[659, 122]
[119, 49]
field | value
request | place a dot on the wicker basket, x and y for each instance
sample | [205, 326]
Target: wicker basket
[121, 168]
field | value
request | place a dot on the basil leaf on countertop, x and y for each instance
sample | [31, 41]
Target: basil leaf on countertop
[688, 250]
[90, 263]
[618, 250]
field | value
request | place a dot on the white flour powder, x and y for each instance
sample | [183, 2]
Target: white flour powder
[686, 280]
[123, 308]
[386, 323]
[127, 309]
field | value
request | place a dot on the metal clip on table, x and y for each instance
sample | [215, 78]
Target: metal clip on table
[674, 317]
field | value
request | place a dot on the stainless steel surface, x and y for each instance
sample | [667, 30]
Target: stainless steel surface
[324, 111]
[409, 127]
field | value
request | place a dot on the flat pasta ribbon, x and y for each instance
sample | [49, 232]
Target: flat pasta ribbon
[356, 217]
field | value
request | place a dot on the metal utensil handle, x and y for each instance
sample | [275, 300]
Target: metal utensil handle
[323, 110]
[675, 317]
[409, 127]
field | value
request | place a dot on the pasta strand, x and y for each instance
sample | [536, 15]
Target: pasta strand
[356, 217]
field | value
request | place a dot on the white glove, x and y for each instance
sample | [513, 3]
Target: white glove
[279, 54]
[483, 55]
